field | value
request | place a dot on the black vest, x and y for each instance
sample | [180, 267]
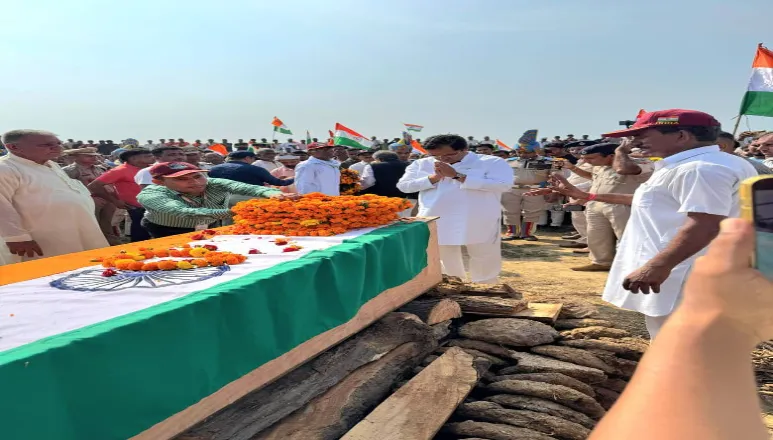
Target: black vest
[387, 175]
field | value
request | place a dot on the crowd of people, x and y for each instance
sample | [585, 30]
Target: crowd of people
[643, 201]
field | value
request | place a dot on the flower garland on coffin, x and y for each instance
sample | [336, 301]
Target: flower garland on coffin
[350, 182]
[315, 214]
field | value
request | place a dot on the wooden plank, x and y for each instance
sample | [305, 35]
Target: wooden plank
[386, 302]
[543, 312]
[433, 310]
[419, 409]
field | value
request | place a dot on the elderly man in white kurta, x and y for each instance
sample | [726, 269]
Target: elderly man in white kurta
[43, 212]
[320, 173]
[463, 189]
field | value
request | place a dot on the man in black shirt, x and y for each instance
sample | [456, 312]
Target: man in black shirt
[380, 177]
[239, 168]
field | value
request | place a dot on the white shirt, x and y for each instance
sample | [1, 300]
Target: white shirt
[267, 165]
[148, 146]
[469, 212]
[143, 177]
[314, 175]
[701, 180]
[359, 167]
[41, 203]
[367, 178]
[768, 162]
[577, 180]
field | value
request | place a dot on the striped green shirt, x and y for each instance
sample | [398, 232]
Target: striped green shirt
[168, 208]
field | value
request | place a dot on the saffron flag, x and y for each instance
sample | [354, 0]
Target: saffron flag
[280, 126]
[758, 99]
[503, 145]
[219, 148]
[417, 146]
[413, 127]
[349, 138]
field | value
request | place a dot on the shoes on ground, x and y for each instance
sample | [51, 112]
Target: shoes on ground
[573, 245]
[591, 268]
[530, 238]
[570, 237]
[510, 237]
[581, 251]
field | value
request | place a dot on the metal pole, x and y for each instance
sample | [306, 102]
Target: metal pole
[737, 123]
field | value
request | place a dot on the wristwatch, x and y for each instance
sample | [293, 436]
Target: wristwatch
[459, 176]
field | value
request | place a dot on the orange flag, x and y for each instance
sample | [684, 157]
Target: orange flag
[417, 146]
[219, 148]
[503, 145]
[641, 112]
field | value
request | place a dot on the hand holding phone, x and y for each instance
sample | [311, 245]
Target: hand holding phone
[757, 208]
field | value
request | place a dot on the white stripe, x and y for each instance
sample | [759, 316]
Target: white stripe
[38, 310]
[360, 140]
[761, 80]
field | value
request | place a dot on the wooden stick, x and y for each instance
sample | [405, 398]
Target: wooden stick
[433, 310]
[418, 410]
[481, 305]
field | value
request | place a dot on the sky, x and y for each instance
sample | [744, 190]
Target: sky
[149, 69]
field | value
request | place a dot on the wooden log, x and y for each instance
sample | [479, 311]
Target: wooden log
[622, 367]
[545, 423]
[454, 287]
[266, 406]
[569, 324]
[577, 310]
[606, 397]
[574, 355]
[554, 378]
[429, 359]
[492, 349]
[493, 360]
[542, 312]
[509, 331]
[331, 414]
[594, 332]
[543, 406]
[493, 431]
[619, 347]
[532, 363]
[441, 330]
[433, 310]
[557, 393]
[481, 305]
[418, 410]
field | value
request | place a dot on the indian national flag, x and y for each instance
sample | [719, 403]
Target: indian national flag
[503, 145]
[413, 127]
[280, 126]
[349, 138]
[759, 97]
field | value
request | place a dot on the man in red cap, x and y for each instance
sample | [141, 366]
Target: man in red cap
[182, 199]
[320, 173]
[674, 214]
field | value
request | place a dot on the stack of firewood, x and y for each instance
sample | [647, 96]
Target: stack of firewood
[462, 361]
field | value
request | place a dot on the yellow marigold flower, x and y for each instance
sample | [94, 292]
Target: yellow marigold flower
[184, 265]
[198, 252]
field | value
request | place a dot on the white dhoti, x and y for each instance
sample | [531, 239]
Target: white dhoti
[484, 265]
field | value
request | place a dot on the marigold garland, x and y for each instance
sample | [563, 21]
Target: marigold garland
[315, 214]
[350, 182]
[200, 256]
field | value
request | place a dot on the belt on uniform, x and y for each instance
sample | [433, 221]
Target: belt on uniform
[526, 186]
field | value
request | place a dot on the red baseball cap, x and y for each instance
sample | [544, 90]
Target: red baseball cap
[173, 169]
[318, 145]
[664, 118]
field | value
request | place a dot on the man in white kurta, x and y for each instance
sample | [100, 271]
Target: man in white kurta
[320, 173]
[463, 189]
[43, 212]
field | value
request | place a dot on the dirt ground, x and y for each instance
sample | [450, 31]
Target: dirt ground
[541, 270]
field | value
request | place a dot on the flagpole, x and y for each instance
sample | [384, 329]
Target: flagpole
[737, 123]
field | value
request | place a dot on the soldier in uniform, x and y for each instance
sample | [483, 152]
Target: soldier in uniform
[520, 212]
[606, 222]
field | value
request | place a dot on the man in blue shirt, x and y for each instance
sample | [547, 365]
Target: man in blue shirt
[239, 168]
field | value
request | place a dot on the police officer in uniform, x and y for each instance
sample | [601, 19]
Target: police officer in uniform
[520, 212]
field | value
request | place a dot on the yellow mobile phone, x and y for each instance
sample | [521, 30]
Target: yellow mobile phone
[757, 207]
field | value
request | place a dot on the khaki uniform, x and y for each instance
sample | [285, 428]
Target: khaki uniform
[579, 221]
[606, 221]
[522, 212]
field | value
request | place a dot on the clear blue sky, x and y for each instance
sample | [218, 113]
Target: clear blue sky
[198, 69]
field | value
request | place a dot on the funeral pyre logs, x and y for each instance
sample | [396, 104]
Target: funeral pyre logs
[505, 373]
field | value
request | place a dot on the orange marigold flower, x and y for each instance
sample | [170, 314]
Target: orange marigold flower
[150, 266]
[200, 262]
[136, 265]
[167, 264]
[123, 264]
[161, 253]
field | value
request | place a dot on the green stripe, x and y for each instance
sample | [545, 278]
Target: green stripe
[115, 379]
[346, 142]
[757, 103]
[283, 130]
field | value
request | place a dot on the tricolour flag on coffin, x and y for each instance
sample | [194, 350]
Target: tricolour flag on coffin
[280, 126]
[349, 138]
[758, 99]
